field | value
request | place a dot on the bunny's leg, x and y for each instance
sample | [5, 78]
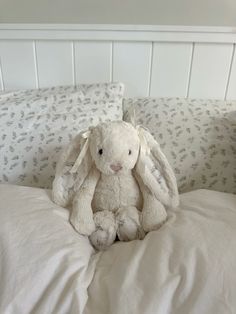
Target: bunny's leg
[105, 233]
[153, 213]
[82, 214]
[128, 224]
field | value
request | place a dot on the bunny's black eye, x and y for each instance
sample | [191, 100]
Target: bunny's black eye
[130, 152]
[100, 151]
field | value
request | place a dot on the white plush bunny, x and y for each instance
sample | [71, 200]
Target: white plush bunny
[118, 182]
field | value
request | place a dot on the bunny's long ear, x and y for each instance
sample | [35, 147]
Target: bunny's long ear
[72, 168]
[154, 170]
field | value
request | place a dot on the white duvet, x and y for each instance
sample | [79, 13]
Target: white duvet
[186, 267]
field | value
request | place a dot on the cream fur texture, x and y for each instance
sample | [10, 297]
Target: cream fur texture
[118, 182]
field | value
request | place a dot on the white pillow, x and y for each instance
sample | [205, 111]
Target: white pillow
[197, 136]
[46, 267]
[36, 124]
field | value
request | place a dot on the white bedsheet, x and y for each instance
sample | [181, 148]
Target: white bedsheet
[44, 263]
[186, 267]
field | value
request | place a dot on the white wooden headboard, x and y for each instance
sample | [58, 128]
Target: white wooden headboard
[159, 61]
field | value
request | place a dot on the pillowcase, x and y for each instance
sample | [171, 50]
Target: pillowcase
[36, 124]
[197, 136]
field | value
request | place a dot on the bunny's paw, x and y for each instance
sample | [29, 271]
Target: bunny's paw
[128, 221]
[105, 233]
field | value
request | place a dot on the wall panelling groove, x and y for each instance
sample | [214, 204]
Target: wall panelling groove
[190, 69]
[35, 64]
[231, 90]
[150, 69]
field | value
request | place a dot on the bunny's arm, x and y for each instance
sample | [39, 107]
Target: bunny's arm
[153, 212]
[82, 214]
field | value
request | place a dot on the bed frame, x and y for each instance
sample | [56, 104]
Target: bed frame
[156, 61]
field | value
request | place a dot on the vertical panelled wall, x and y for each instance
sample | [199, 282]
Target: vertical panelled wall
[157, 69]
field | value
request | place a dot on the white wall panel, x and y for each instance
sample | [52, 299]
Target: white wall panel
[131, 65]
[54, 63]
[1, 79]
[170, 69]
[93, 62]
[231, 94]
[147, 68]
[210, 70]
[18, 67]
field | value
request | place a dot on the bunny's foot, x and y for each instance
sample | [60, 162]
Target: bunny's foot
[128, 224]
[105, 233]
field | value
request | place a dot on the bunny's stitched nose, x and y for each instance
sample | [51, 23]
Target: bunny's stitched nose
[116, 167]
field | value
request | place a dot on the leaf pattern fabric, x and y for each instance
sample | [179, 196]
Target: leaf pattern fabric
[197, 136]
[36, 124]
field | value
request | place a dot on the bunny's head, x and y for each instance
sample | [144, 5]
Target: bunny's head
[114, 147]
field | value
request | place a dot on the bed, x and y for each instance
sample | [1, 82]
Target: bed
[187, 266]
[173, 78]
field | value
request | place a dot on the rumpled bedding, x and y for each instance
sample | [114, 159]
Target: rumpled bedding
[46, 267]
[188, 266]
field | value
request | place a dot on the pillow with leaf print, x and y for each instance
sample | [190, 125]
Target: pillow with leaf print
[36, 124]
[197, 136]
